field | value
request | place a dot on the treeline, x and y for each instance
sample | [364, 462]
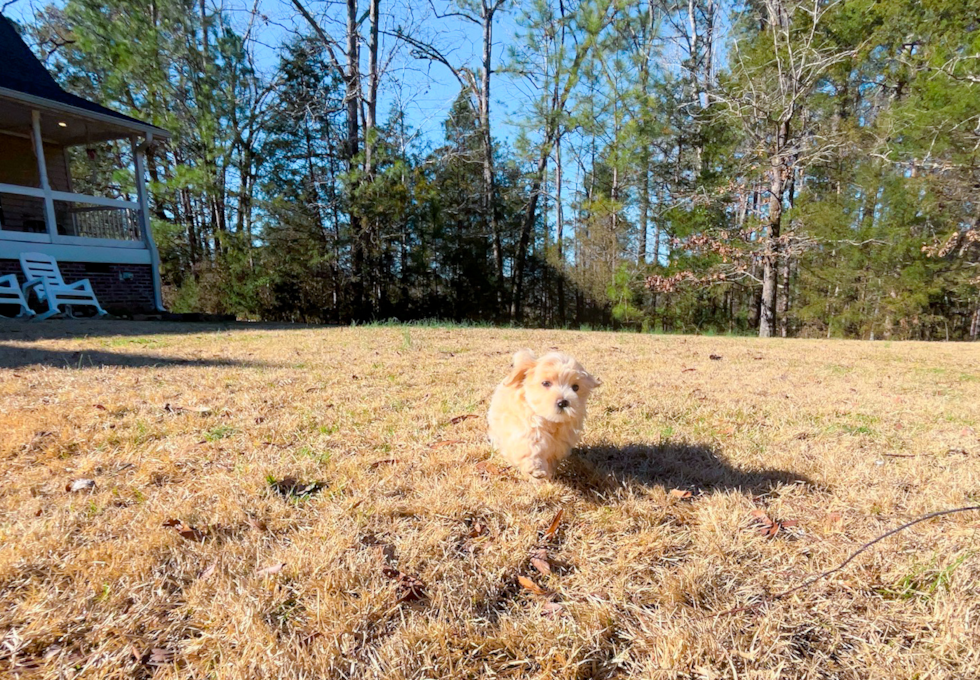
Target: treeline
[802, 168]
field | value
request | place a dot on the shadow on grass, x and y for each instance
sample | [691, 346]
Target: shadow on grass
[52, 329]
[15, 356]
[602, 468]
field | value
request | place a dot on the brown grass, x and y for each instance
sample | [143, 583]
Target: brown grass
[848, 439]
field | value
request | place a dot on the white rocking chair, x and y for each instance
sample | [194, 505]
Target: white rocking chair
[10, 294]
[44, 277]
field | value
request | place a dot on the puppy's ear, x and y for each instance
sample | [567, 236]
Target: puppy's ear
[590, 380]
[524, 361]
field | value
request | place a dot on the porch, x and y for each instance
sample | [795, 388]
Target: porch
[104, 237]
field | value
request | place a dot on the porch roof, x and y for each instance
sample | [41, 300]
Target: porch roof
[25, 84]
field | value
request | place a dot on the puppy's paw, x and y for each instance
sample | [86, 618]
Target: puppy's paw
[539, 473]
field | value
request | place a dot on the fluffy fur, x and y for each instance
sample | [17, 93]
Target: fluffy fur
[537, 413]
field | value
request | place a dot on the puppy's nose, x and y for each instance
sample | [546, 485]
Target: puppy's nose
[563, 403]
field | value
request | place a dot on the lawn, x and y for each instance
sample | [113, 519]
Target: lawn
[315, 503]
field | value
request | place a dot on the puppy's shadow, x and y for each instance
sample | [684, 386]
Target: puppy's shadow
[599, 469]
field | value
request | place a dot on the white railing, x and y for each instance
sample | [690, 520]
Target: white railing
[79, 219]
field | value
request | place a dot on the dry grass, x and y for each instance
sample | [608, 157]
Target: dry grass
[849, 439]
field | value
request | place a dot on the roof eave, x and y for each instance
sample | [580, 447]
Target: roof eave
[51, 105]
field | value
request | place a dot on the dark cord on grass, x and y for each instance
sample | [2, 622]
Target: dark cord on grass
[809, 582]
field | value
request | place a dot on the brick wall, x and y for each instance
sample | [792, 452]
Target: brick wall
[135, 294]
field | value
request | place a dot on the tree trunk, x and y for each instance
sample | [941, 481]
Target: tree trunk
[785, 269]
[527, 226]
[489, 188]
[641, 249]
[975, 325]
[560, 227]
[770, 259]
[352, 99]
[371, 116]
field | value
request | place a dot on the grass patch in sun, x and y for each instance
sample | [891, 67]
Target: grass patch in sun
[271, 501]
[924, 581]
[220, 432]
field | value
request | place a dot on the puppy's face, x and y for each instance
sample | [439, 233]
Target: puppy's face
[556, 386]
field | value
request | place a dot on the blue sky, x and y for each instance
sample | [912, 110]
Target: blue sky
[424, 90]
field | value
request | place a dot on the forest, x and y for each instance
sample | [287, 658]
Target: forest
[796, 168]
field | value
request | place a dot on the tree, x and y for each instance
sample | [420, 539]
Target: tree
[778, 65]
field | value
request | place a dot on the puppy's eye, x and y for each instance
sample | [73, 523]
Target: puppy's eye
[574, 388]
[546, 383]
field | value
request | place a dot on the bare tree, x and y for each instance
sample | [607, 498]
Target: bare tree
[786, 65]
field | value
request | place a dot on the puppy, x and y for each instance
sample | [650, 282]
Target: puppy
[537, 414]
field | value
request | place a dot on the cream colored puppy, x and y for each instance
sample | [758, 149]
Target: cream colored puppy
[537, 414]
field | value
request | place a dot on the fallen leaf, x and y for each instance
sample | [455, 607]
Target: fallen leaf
[100, 407]
[688, 370]
[191, 534]
[539, 560]
[409, 589]
[206, 574]
[681, 493]
[185, 530]
[488, 467]
[554, 523]
[445, 442]
[388, 552]
[257, 524]
[386, 461]
[458, 419]
[160, 657]
[769, 531]
[531, 586]
[768, 527]
[715, 357]
[80, 485]
[552, 609]
[477, 531]
[272, 569]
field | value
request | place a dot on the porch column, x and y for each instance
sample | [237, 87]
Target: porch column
[42, 167]
[139, 160]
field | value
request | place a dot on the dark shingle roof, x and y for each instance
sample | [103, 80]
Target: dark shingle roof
[23, 73]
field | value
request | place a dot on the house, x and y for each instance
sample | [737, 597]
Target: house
[106, 240]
